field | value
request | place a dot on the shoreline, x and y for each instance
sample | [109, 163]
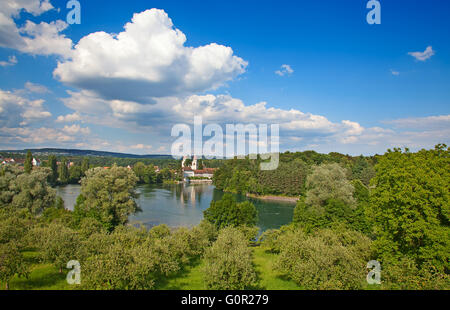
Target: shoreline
[274, 198]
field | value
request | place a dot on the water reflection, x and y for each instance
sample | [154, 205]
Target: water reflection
[183, 205]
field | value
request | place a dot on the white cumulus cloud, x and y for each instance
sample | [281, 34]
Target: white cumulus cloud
[147, 60]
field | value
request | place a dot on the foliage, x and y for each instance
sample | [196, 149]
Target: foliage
[410, 207]
[108, 195]
[57, 243]
[75, 174]
[405, 274]
[145, 174]
[229, 262]
[28, 165]
[63, 171]
[227, 212]
[327, 182]
[131, 258]
[21, 191]
[11, 263]
[363, 171]
[85, 165]
[52, 164]
[327, 259]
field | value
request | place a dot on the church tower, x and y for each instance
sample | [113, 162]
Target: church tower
[194, 163]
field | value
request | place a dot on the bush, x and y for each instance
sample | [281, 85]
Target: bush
[410, 207]
[228, 263]
[327, 259]
[227, 212]
[405, 274]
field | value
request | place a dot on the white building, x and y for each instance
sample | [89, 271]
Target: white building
[36, 162]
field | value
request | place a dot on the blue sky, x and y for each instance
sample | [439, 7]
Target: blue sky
[349, 87]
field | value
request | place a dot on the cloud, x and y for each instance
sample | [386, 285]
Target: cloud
[45, 39]
[396, 73]
[284, 70]
[141, 147]
[76, 129]
[418, 123]
[298, 130]
[36, 88]
[16, 110]
[12, 60]
[39, 136]
[35, 39]
[127, 67]
[422, 56]
[69, 118]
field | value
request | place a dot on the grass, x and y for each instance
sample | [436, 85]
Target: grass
[41, 277]
[47, 277]
[191, 278]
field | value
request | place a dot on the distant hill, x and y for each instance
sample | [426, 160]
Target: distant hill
[73, 152]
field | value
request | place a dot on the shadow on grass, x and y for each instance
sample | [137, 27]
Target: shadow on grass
[182, 280]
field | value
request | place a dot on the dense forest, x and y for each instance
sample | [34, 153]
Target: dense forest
[244, 176]
[393, 208]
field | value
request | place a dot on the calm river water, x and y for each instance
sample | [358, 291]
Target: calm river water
[183, 205]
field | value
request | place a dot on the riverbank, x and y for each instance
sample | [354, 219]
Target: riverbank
[275, 198]
[200, 181]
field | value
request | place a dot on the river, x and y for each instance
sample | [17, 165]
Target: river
[183, 205]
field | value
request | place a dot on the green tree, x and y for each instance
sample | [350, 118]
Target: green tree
[145, 174]
[410, 207]
[75, 174]
[328, 181]
[363, 171]
[63, 171]
[21, 191]
[327, 259]
[58, 244]
[85, 165]
[229, 262]
[28, 165]
[52, 164]
[12, 263]
[108, 196]
[227, 212]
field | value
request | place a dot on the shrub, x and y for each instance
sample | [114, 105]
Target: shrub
[327, 259]
[228, 263]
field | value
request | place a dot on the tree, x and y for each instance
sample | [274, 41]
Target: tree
[328, 181]
[363, 171]
[108, 196]
[145, 174]
[410, 207]
[85, 165]
[165, 175]
[327, 259]
[227, 212]
[52, 164]
[63, 171]
[12, 262]
[75, 174]
[229, 262]
[58, 244]
[28, 165]
[21, 191]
